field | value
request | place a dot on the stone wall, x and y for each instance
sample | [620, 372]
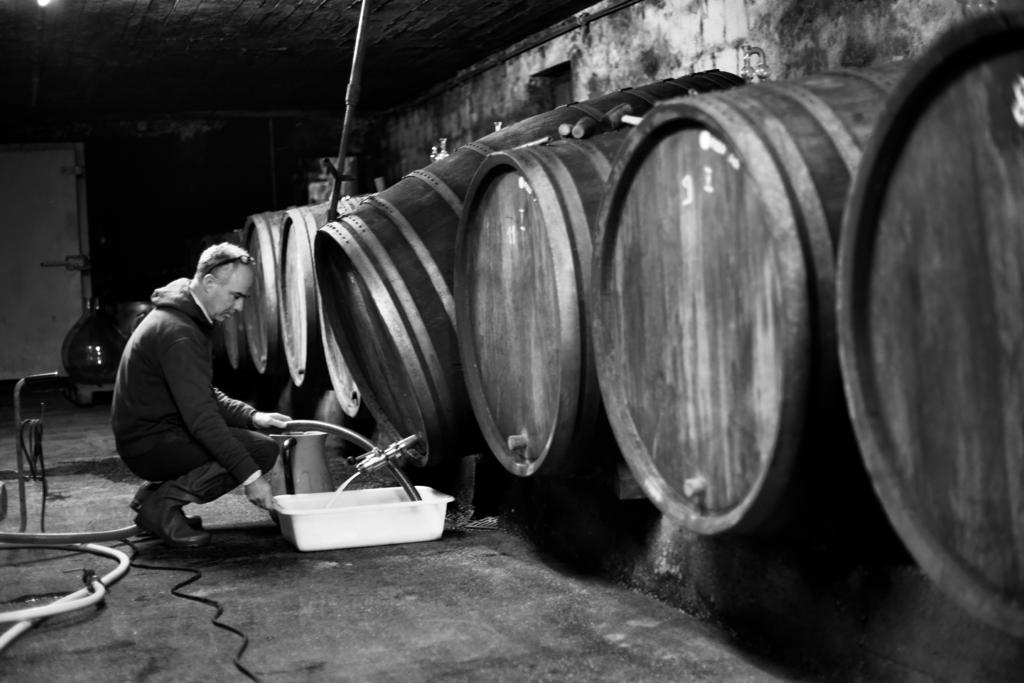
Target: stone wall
[652, 40]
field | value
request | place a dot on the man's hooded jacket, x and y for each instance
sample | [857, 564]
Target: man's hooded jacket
[165, 384]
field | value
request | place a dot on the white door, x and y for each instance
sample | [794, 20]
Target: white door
[42, 219]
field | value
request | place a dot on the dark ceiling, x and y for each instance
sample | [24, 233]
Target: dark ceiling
[81, 59]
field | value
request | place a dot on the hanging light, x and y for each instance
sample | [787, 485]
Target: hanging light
[43, 3]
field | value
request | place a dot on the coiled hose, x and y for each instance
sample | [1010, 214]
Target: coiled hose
[93, 592]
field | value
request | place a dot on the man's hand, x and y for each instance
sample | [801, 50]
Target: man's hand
[260, 494]
[268, 420]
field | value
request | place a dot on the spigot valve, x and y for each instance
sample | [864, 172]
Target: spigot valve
[377, 458]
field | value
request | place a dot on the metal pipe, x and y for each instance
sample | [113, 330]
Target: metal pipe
[407, 486]
[17, 443]
[337, 430]
[351, 99]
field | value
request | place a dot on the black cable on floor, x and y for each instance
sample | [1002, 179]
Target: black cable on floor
[176, 591]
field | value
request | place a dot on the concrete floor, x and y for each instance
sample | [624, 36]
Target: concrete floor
[477, 605]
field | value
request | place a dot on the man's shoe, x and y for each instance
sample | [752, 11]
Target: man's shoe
[160, 514]
[193, 521]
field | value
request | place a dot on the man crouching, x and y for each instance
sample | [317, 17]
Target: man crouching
[172, 427]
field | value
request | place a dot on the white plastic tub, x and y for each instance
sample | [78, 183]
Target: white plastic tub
[360, 518]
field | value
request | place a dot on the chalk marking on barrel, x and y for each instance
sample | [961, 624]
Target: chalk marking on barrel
[1017, 109]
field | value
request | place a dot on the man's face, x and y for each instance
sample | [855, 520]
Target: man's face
[226, 296]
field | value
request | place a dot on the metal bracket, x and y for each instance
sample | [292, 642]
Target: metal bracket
[72, 262]
[17, 443]
[329, 166]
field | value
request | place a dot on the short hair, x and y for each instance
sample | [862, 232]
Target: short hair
[220, 256]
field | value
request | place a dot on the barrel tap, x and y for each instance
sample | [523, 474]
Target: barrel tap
[388, 457]
[379, 457]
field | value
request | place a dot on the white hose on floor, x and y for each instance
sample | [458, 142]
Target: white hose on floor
[83, 597]
[52, 538]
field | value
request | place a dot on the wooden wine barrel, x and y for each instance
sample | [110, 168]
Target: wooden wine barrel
[232, 331]
[260, 315]
[235, 346]
[385, 278]
[341, 378]
[299, 300]
[349, 203]
[297, 293]
[931, 315]
[522, 271]
[713, 289]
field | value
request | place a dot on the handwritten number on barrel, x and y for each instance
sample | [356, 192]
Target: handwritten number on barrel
[1018, 101]
[687, 185]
